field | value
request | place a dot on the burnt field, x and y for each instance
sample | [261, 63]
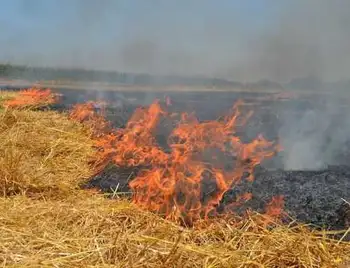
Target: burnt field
[312, 171]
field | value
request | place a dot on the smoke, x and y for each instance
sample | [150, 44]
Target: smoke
[311, 39]
[316, 137]
[230, 39]
[237, 40]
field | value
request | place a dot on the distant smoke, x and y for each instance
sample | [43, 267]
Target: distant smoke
[277, 40]
[311, 38]
[290, 39]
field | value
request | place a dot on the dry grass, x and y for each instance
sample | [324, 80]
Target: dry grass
[43, 152]
[5, 96]
[91, 230]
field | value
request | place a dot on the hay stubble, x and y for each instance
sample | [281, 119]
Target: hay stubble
[46, 221]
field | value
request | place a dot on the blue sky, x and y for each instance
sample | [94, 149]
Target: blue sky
[106, 20]
[221, 38]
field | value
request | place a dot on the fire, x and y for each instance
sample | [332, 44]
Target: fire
[275, 207]
[32, 97]
[134, 145]
[205, 161]
[91, 114]
[274, 210]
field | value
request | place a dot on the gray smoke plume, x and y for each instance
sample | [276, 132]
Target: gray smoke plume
[311, 39]
[316, 137]
[291, 38]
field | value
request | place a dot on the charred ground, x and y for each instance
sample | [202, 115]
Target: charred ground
[314, 196]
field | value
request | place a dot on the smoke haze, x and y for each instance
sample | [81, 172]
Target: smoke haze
[237, 40]
[276, 40]
[316, 138]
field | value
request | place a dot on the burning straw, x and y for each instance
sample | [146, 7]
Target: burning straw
[31, 98]
[43, 151]
[92, 115]
[171, 182]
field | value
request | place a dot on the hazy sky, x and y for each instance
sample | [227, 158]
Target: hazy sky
[235, 39]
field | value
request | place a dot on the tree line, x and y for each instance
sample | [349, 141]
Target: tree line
[29, 73]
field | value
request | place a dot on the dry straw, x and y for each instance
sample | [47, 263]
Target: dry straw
[41, 152]
[89, 230]
[45, 221]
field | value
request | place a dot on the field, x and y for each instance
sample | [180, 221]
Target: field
[47, 220]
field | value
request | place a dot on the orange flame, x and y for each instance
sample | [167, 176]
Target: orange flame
[32, 97]
[135, 145]
[274, 210]
[172, 183]
[87, 114]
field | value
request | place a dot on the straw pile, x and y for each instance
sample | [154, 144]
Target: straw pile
[91, 230]
[31, 98]
[6, 96]
[42, 151]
